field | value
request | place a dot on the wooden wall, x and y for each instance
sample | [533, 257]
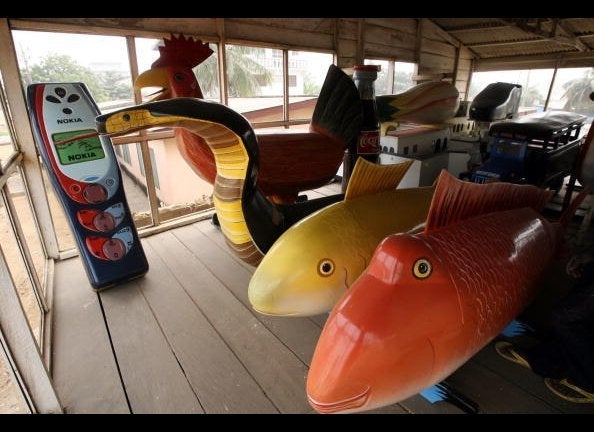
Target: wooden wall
[438, 55]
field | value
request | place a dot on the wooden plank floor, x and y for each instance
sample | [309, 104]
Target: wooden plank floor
[184, 339]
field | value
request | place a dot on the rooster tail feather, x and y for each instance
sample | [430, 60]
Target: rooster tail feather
[338, 112]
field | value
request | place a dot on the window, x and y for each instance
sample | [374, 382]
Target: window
[23, 264]
[309, 70]
[126, 153]
[383, 81]
[154, 165]
[139, 155]
[255, 82]
[535, 85]
[101, 62]
[571, 91]
[403, 76]
[7, 148]
[394, 77]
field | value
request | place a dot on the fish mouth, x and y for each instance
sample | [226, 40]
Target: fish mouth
[343, 405]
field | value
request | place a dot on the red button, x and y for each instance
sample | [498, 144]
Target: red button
[94, 244]
[104, 222]
[95, 193]
[114, 249]
[74, 188]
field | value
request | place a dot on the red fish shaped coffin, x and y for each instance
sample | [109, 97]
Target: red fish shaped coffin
[428, 302]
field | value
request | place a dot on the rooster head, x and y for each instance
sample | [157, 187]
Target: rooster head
[172, 71]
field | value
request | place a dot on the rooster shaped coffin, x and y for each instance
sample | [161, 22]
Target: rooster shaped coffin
[288, 162]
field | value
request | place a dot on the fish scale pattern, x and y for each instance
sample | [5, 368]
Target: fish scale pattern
[495, 261]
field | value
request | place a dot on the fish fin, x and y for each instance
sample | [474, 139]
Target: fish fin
[444, 392]
[338, 111]
[516, 328]
[369, 178]
[434, 394]
[456, 200]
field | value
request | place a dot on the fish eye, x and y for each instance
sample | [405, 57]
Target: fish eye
[325, 267]
[422, 268]
[126, 117]
[178, 76]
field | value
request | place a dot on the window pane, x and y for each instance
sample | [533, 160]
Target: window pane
[22, 282]
[11, 398]
[403, 74]
[571, 91]
[131, 166]
[16, 189]
[382, 81]
[307, 71]
[101, 62]
[61, 227]
[180, 191]
[207, 73]
[255, 82]
[6, 146]
[535, 85]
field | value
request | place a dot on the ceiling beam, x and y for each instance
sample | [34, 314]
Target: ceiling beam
[444, 34]
[477, 27]
[502, 43]
[524, 26]
[560, 58]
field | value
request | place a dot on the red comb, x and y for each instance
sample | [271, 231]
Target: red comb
[182, 51]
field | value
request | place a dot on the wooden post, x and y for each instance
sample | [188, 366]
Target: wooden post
[546, 105]
[144, 147]
[24, 138]
[335, 40]
[456, 64]
[360, 53]
[286, 88]
[418, 46]
[222, 59]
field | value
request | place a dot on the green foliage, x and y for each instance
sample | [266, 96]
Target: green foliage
[310, 88]
[208, 78]
[116, 85]
[531, 96]
[104, 86]
[402, 81]
[244, 74]
[577, 93]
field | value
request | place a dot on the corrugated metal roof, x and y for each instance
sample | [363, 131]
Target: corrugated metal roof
[470, 37]
[580, 25]
[531, 48]
[501, 37]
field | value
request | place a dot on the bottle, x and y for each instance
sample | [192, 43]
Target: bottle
[368, 141]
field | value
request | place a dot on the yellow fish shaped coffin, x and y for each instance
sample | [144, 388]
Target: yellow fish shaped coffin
[312, 264]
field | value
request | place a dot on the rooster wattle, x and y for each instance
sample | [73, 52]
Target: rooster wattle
[289, 161]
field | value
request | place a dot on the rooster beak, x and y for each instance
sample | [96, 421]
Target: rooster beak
[156, 77]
